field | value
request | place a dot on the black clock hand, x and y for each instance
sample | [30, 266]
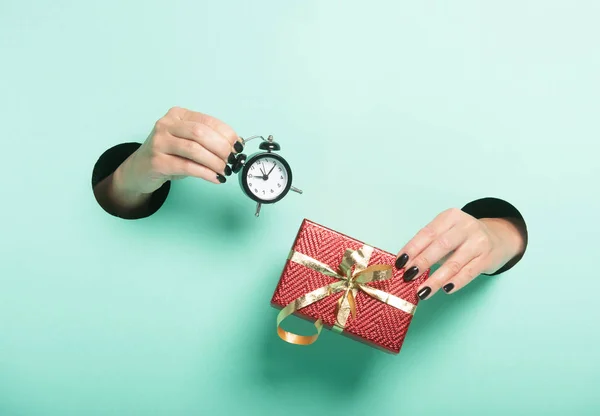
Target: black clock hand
[262, 175]
[271, 170]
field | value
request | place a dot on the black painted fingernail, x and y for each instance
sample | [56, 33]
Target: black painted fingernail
[221, 178]
[231, 158]
[401, 261]
[238, 147]
[410, 273]
[239, 163]
[423, 293]
[447, 288]
[227, 171]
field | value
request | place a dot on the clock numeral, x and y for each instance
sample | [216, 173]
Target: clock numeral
[252, 168]
[263, 192]
[249, 175]
[250, 185]
[279, 169]
[281, 177]
[272, 191]
[279, 185]
[255, 190]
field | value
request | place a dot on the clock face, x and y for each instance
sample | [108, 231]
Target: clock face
[267, 177]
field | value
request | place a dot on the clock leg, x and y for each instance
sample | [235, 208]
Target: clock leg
[258, 205]
[295, 189]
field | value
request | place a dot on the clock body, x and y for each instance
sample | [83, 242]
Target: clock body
[266, 177]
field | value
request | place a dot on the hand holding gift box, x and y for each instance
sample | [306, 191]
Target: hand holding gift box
[351, 287]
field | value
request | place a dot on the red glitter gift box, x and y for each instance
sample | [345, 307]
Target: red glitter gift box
[377, 323]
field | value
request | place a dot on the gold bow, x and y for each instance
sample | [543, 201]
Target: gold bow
[351, 282]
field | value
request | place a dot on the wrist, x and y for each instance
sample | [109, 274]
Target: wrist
[123, 181]
[122, 197]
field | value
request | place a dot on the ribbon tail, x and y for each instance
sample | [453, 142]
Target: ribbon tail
[301, 302]
[349, 295]
[296, 339]
[346, 307]
[338, 305]
[352, 304]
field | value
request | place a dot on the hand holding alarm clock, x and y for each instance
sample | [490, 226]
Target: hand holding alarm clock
[131, 180]
[265, 177]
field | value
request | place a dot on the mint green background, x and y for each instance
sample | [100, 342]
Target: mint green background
[389, 112]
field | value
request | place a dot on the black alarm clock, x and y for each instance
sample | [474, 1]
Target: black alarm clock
[265, 177]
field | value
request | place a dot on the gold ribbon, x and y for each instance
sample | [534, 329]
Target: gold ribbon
[351, 282]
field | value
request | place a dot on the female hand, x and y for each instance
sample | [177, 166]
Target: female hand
[466, 247]
[182, 143]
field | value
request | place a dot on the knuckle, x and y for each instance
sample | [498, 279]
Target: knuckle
[174, 110]
[198, 131]
[422, 262]
[191, 146]
[231, 135]
[481, 240]
[410, 249]
[444, 243]
[161, 125]
[453, 266]
[471, 221]
[470, 272]
[428, 232]
[186, 166]
[224, 149]
[453, 213]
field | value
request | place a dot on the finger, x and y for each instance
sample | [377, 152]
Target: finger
[193, 151]
[203, 135]
[439, 248]
[440, 224]
[177, 166]
[469, 272]
[214, 123]
[462, 257]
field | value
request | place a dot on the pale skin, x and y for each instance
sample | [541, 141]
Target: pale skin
[188, 143]
[182, 143]
[465, 247]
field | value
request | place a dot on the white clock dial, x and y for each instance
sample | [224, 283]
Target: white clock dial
[267, 178]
